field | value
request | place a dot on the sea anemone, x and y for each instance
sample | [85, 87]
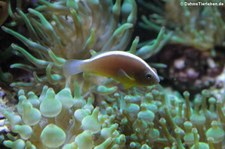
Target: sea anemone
[3, 11]
[199, 27]
[60, 121]
[63, 30]
[194, 53]
[108, 117]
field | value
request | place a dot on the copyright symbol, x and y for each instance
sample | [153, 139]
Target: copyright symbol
[181, 3]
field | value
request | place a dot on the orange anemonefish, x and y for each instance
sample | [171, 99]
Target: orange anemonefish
[125, 67]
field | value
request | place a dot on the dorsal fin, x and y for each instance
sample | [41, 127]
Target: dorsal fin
[154, 70]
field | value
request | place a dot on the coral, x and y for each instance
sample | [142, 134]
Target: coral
[173, 115]
[159, 118]
[184, 72]
[63, 30]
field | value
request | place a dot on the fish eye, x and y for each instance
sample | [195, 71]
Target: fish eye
[148, 76]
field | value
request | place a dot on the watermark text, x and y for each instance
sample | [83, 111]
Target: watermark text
[202, 4]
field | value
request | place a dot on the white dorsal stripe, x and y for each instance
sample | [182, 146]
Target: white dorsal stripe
[110, 53]
[127, 54]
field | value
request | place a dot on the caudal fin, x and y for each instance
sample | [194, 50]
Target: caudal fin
[72, 67]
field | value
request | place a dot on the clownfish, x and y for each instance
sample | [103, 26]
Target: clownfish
[127, 68]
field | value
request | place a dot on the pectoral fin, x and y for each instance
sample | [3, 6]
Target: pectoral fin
[123, 73]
